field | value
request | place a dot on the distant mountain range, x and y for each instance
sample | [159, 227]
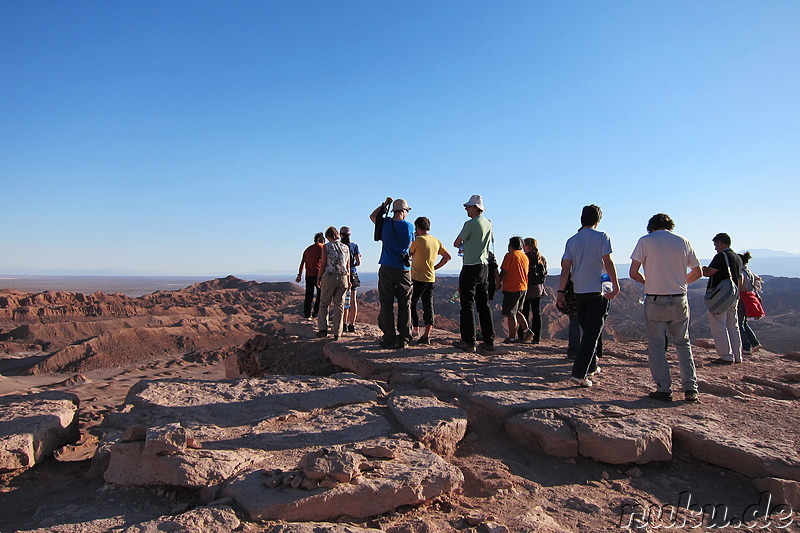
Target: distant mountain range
[764, 263]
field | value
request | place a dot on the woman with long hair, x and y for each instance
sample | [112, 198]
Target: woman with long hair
[750, 283]
[537, 275]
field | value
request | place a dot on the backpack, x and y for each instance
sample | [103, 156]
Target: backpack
[539, 275]
[379, 223]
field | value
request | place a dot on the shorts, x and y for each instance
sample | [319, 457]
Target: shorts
[354, 281]
[513, 302]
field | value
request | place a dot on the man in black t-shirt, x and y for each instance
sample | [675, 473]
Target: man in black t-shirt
[725, 325]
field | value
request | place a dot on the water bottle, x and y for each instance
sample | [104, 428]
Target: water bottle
[607, 285]
[347, 300]
[461, 251]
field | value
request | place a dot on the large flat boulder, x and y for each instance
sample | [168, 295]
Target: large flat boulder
[35, 425]
[411, 475]
[716, 443]
[283, 448]
[543, 430]
[438, 425]
[602, 432]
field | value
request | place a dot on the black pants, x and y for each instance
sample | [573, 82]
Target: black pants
[532, 309]
[394, 284]
[423, 290]
[311, 289]
[473, 288]
[592, 312]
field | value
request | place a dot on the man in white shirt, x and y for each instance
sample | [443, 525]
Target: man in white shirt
[666, 257]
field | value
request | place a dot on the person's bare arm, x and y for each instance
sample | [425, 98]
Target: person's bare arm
[694, 274]
[635, 273]
[611, 270]
[380, 209]
[446, 257]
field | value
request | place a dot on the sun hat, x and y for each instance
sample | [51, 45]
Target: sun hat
[400, 205]
[475, 200]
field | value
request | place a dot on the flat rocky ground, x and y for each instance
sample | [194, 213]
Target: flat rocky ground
[747, 420]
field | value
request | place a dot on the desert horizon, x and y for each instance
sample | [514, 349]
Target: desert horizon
[239, 402]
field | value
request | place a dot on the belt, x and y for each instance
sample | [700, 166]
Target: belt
[655, 296]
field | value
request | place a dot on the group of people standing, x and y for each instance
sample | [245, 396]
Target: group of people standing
[410, 256]
[331, 279]
[663, 261]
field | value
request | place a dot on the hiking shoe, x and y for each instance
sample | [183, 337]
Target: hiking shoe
[387, 344]
[661, 396]
[464, 346]
[336, 337]
[322, 333]
[756, 348]
[596, 371]
[423, 340]
[691, 396]
[487, 346]
[351, 328]
[528, 337]
[721, 361]
[586, 383]
[510, 340]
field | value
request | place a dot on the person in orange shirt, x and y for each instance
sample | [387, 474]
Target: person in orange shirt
[514, 283]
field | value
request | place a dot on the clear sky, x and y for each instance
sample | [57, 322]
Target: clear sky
[212, 138]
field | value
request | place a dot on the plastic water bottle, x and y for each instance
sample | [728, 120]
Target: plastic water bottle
[461, 251]
[347, 300]
[607, 285]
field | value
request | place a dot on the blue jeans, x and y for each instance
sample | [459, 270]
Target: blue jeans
[592, 311]
[749, 338]
[664, 314]
[473, 288]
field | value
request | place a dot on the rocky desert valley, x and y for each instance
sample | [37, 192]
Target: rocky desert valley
[214, 408]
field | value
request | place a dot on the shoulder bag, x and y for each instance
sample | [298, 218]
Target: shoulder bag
[724, 294]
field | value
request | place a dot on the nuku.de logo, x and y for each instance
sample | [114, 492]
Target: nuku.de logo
[715, 515]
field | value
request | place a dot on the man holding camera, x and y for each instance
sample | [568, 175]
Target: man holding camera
[394, 275]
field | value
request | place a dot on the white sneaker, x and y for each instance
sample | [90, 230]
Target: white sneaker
[597, 371]
[581, 382]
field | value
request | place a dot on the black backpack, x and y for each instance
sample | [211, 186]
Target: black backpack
[539, 275]
[379, 223]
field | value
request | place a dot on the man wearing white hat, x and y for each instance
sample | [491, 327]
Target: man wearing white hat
[473, 282]
[394, 275]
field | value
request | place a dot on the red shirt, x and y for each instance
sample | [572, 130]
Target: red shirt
[312, 258]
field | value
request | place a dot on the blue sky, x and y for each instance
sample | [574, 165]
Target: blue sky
[210, 138]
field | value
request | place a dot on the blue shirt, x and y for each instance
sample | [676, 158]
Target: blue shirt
[586, 250]
[396, 236]
[354, 252]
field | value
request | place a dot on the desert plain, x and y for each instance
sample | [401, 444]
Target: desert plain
[213, 407]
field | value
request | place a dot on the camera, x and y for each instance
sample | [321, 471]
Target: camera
[406, 259]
